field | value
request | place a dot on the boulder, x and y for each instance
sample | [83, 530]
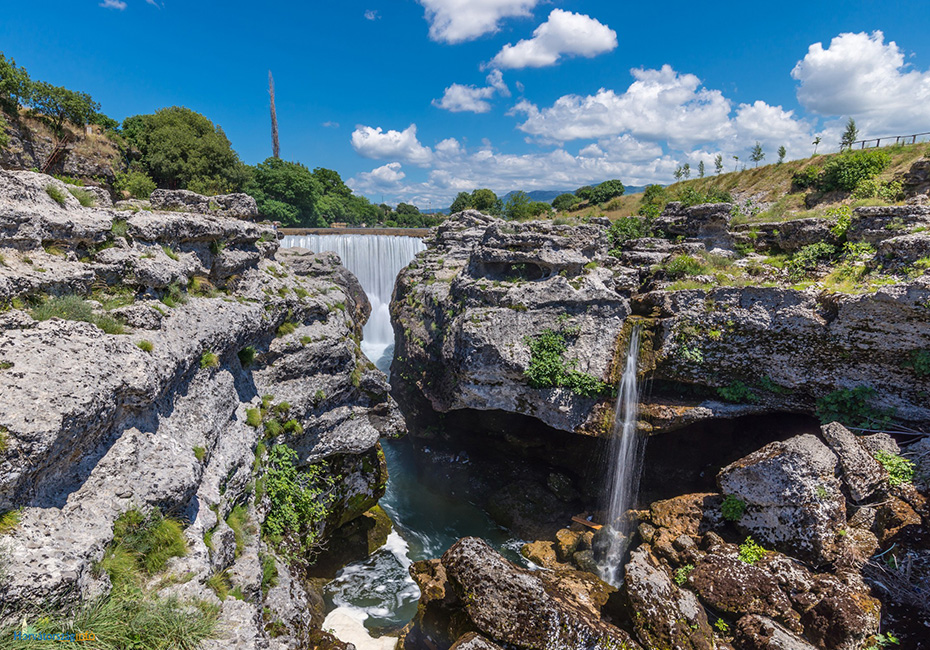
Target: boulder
[793, 498]
[663, 615]
[862, 474]
[689, 514]
[874, 224]
[708, 223]
[473, 589]
[473, 641]
[755, 632]
[237, 206]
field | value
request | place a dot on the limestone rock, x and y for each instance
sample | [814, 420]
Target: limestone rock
[237, 206]
[755, 632]
[862, 474]
[664, 615]
[709, 222]
[874, 224]
[473, 589]
[473, 641]
[689, 514]
[793, 499]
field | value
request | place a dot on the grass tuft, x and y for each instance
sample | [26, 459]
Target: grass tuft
[209, 360]
[56, 195]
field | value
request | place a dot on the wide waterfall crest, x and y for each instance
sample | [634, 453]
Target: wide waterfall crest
[626, 463]
[376, 261]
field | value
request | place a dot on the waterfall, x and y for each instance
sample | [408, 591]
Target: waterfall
[625, 458]
[375, 260]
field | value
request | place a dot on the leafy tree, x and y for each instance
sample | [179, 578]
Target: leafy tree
[850, 135]
[736, 162]
[177, 145]
[757, 154]
[782, 152]
[606, 191]
[565, 202]
[15, 85]
[331, 182]
[585, 192]
[679, 172]
[519, 207]
[686, 170]
[718, 163]
[461, 202]
[655, 197]
[701, 169]
[58, 104]
[136, 183]
[484, 200]
[287, 192]
[816, 143]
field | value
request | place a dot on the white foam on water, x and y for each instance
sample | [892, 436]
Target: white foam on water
[347, 623]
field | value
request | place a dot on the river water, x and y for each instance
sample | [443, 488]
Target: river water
[371, 600]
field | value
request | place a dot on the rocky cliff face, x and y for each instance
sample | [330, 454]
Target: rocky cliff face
[151, 360]
[467, 311]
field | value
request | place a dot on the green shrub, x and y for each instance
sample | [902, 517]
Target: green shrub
[842, 217]
[170, 253]
[846, 170]
[807, 259]
[919, 361]
[253, 417]
[85, 198]
[900, 470]
[4, 439]
[56, 195]
[209, 360]
[137, 183]
[682, 573]
[273, 429]
[732, 508]
[750, 552]
[145, 346]
[4, 138]
[738, 393]
[851, 407]
[72, 307]
[807, 177]
[220, 583]
[246, 356]
[298, 502]
[269, 573]
[548, 369]
[287, 327]
[9, 520]
[238, 520]
[624, 229]
[685, 265]
[691, 196]
[655, 198]
[199, 453]
[142, 545]
[293, 427]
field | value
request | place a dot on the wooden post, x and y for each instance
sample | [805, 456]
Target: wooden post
[275, 146]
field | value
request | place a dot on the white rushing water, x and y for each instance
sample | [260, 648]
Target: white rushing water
[625, 458]
[375, 260]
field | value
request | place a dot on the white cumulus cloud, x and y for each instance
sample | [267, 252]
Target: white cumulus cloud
[371, 14]
[384, 177]
[113, 4]
[372, 142]
[860, 75]
[563, 34]
[659, 105]
[457, 21]
[459, 98]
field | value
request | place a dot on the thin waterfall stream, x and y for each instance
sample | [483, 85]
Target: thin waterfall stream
[625, 456]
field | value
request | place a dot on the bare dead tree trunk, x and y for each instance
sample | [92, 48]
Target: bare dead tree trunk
[275, 146]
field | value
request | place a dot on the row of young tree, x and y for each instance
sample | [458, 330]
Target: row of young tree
[519, 206]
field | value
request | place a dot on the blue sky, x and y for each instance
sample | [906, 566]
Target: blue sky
[415, 100]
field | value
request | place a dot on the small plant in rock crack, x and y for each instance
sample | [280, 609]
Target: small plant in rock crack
[750, 552]
[682, 573]
[732, 508]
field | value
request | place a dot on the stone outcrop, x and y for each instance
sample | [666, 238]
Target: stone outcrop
[793, 499]
[218, 327]
[236, 206]
[464, 311]
[472, 591]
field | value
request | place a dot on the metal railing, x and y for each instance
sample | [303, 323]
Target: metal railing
[898, 139]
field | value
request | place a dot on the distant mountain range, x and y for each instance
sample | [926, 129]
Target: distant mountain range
[547, 196]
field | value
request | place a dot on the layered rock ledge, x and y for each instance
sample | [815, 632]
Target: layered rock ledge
[212, 324]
